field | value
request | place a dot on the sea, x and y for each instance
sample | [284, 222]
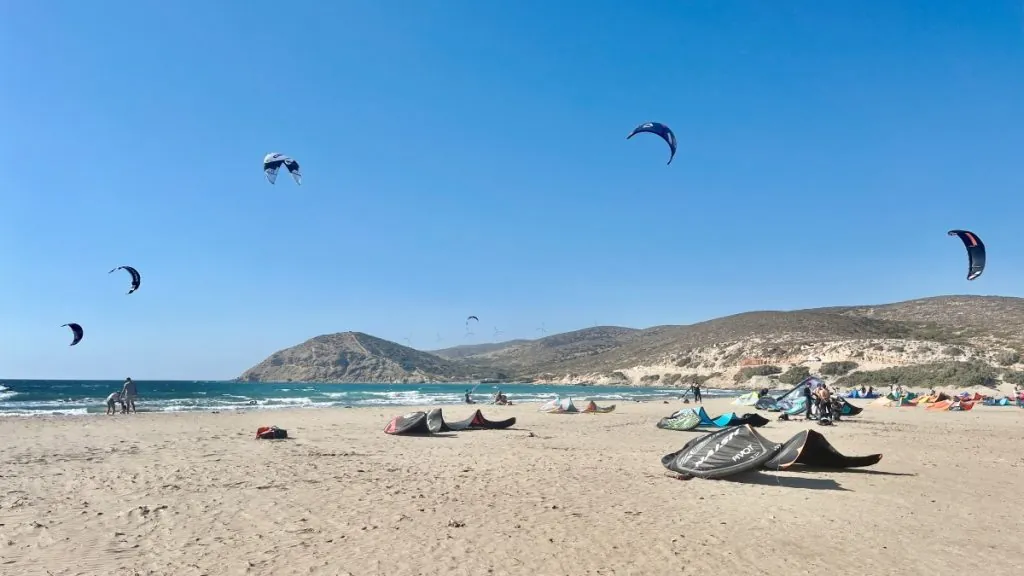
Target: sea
[83, 397]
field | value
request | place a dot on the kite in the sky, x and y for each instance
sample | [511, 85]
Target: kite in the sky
[272, 163]
[975, 252]
[77, 330]
[661, 130]
[136, 277]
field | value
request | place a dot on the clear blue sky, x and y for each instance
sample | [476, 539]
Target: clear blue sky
[469, 157]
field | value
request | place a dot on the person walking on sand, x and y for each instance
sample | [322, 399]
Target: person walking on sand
[128, 394]
[112, 401]
[696, 394]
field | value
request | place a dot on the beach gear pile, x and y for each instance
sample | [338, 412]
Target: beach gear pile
[425, 423]
[271, 433]
[940, 402]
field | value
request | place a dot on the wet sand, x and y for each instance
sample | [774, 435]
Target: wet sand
[190, 494]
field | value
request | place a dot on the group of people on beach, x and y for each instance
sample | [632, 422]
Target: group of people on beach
[821, 400]
[125, 397]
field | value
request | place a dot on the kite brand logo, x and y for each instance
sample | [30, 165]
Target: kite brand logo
[745, 452]
[714, 450]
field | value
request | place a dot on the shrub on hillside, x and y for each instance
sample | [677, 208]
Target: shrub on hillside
[650, 378]
[684, 361]
[897, 348]
[670, 379]
[750, 371]
[953, 351]
[1014, 377]
[932, 375]
[795, 375]
[701, 378]
[838, 368]
[1007, 357]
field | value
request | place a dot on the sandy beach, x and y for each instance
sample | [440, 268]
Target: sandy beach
[190, 494]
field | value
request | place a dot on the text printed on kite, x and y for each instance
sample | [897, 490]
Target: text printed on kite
[975, 252]
[661, 130]
[136, 277]
[76, 329]
[272, 163]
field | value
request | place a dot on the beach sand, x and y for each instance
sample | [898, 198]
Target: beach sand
[195, 493]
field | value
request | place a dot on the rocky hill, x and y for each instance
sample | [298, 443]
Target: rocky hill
[938, 337]
[355, 357]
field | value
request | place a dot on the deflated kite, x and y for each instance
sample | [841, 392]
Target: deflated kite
[272, 163]
[975, 252]
[77, 330]
[661, 130]
[136, 277]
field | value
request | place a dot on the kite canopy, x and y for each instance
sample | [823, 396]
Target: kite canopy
[76, 329]
[810, 448]
[414, 423]
[136, 277]
[975, 252]
[681, 421]
[272, 163]
[593, 408]
[476, 421]
[661, 130]
[723, 453]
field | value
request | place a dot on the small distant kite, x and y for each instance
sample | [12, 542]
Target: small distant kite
[136, 277]
[661, 130]
[77, 330]
[975, 252]
[471, 318]
[272, 163]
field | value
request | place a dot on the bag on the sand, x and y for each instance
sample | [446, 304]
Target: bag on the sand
[271, 433]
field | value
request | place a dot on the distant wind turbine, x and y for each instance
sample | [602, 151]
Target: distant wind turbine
[542, 329]
[497, 332]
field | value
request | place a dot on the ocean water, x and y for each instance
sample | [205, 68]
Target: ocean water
[72, 397]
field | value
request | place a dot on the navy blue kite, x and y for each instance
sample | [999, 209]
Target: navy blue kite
[661, 130]
[76, 329]
[136, 277]
[975, 252]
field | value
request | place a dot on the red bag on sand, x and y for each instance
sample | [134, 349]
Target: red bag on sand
[271, 433]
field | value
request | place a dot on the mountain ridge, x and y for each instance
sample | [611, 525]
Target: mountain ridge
[722, 352]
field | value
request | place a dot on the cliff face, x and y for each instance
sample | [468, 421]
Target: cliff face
[356, 357]
[736, 351]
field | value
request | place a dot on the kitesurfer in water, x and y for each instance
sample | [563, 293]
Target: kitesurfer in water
[468, 399]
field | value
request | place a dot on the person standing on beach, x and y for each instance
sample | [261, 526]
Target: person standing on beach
[696, 394]
[112, 400]
[128, 394]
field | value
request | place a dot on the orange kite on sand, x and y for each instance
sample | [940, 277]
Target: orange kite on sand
[593, 408]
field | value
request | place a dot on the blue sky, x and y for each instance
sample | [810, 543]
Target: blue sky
[467, 157]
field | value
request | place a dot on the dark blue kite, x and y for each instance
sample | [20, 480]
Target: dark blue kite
[661, 130]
